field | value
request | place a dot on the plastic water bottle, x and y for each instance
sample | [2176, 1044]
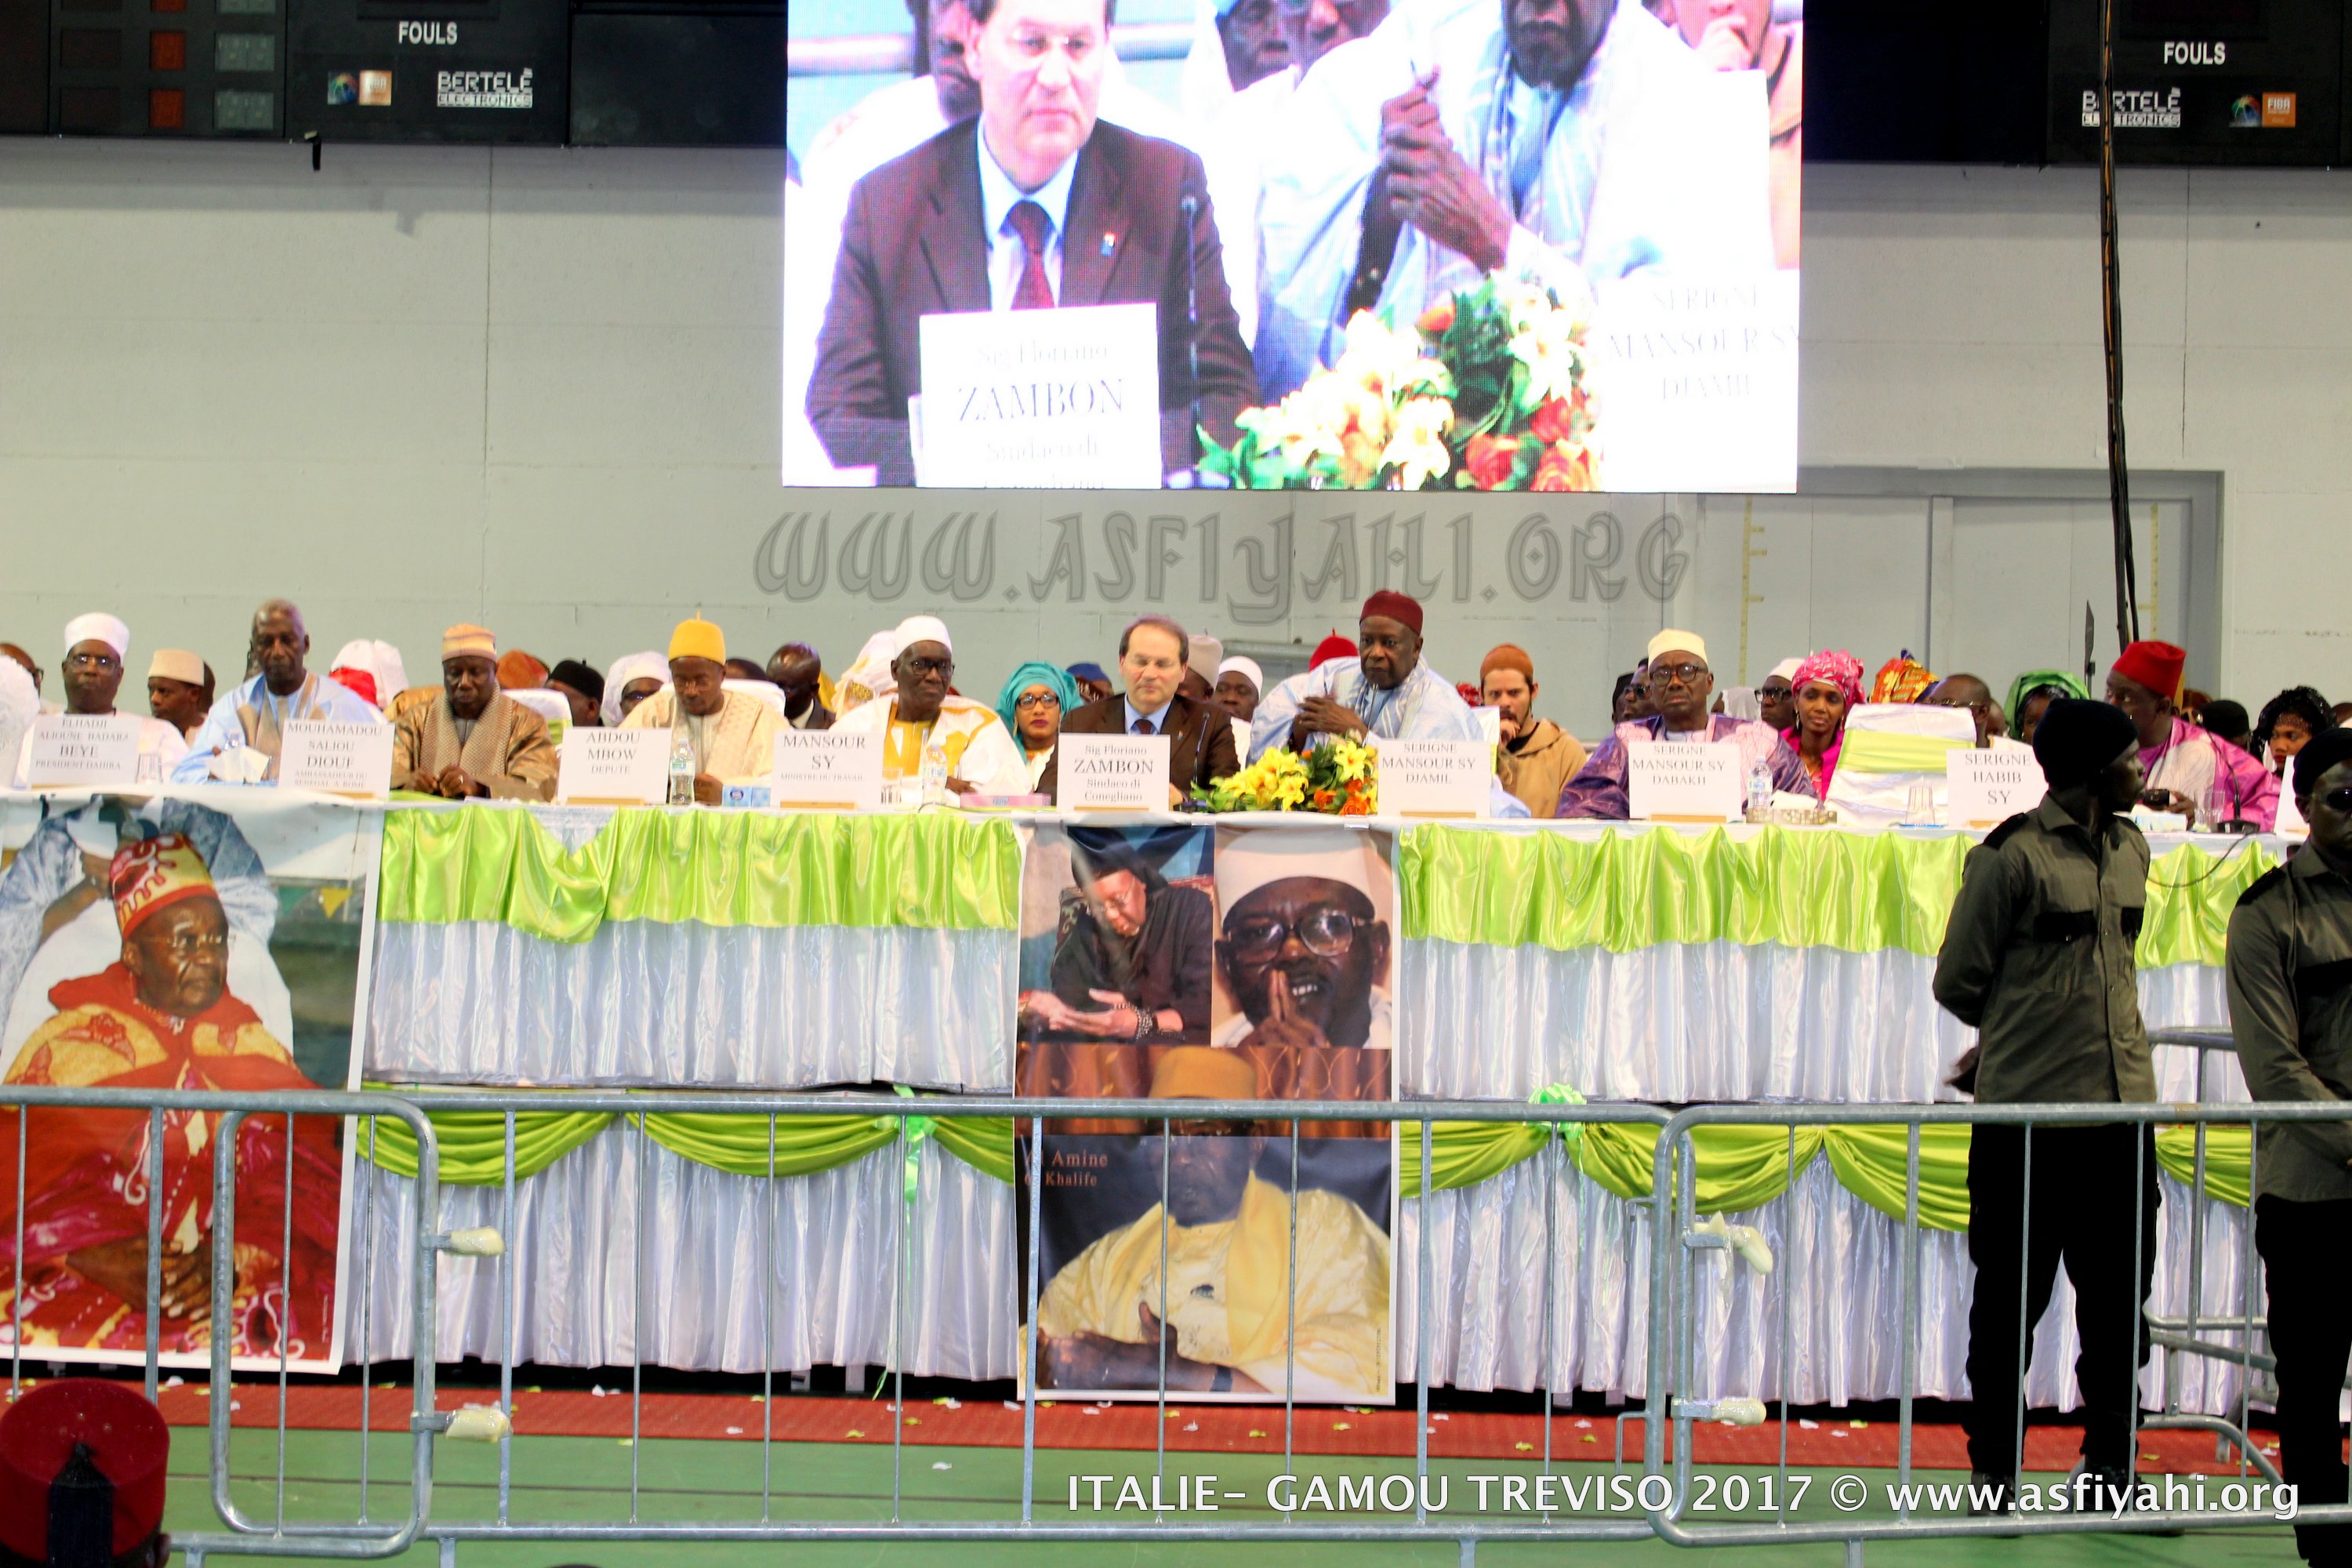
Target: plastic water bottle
[681, 769]
[934, 778]
[1759, 788]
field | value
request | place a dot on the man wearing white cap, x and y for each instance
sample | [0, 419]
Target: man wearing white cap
[1302, 949]
[1682, 688]
[632, 677]
[96, 646]
[240, 739]
[1203, 654]
[1236, 690]
[179, 689]
[1775, 699]
[473, 741]
[921, 720]
[868, 676]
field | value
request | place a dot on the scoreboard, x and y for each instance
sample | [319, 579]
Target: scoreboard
[428, 70]
[2216, 82]
[657, 72]
[167, 68]
[2234, 82]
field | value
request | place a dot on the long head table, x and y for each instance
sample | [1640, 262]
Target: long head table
[560, 945]
[581, 946]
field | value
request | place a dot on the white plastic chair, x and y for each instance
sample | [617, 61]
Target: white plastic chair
[1888, 748]
[545, 701]
[767, 691]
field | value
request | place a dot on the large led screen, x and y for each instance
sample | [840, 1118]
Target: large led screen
[1316, 244]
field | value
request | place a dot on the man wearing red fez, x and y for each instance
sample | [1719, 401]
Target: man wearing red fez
[2190, 769]
[81, 1478]
[1387, 691]
[161, 1016]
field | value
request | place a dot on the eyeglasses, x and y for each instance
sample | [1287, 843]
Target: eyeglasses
[1326, 931]
[1668, 674]
[92, 661]
[918, 666]
[1036, 699]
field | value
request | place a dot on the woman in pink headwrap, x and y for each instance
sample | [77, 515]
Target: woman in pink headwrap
[1826, 685]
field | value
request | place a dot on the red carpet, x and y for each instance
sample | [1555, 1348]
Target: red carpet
[1457, 1435]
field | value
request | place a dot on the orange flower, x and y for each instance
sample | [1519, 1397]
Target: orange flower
[1323, 799]
[1565, 467]
[1357, 806]
[1360, 457]
[1437, 318]
[1488, 461]
[1552, 421]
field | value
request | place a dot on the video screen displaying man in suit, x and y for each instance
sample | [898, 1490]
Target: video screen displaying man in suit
[1635, 161]
[1036, 204]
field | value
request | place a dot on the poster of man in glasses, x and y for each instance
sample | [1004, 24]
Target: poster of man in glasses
[1305, 950]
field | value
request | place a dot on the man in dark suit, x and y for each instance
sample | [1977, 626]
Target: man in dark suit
[1132, 962]
[1151, 655]
[976, 219]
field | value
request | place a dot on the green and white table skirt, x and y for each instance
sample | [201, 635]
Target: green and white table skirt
[741, 950]
[813, 1252]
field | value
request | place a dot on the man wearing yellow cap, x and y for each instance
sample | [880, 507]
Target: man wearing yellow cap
[473, 741]
[733, 735]
[1230, 1315]
[1681, 690]
[161, 1017]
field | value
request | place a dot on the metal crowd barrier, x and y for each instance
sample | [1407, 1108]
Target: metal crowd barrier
[1675, 1380]
[278, 1536]
[1673, 1396]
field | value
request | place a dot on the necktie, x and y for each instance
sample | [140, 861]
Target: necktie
[1028, 220]
[1142, 726]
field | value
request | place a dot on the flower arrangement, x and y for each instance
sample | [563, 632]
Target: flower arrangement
[1487, 391]
[1338, 778]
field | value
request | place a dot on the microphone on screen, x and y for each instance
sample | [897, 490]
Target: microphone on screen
[1190, 206]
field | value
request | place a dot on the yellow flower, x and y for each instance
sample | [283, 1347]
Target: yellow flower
[1418, 451]
[1354, 760]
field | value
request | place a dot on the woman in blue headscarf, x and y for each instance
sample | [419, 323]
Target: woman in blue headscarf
[1032, 703]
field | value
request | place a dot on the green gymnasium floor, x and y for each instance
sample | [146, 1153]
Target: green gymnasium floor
[581, 1478]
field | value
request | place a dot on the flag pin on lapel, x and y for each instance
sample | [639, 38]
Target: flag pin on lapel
[1109, 241]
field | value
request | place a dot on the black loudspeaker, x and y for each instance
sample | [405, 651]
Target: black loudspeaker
[704, 73]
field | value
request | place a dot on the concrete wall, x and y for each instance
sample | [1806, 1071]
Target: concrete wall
[540, 388]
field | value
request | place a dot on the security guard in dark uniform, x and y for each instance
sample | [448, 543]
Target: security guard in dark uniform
[2038, 958]
[2290, 962]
